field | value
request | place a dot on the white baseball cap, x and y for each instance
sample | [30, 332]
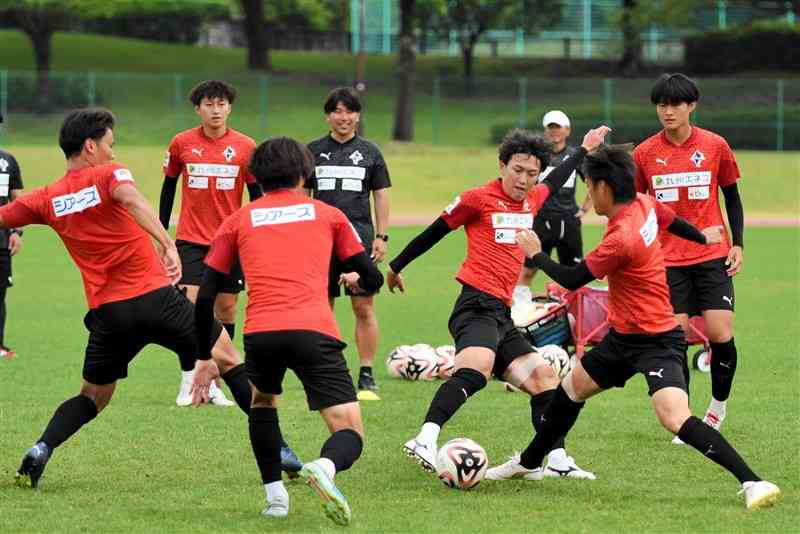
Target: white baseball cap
[555, 117]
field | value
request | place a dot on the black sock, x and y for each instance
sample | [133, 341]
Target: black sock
[236, 378]
[723, 367]
[265, 438]
[554, 424]
[3, 317]
[452, 394]
[538, 406]
[68, 419]
[343, 449]
[716, 448]
[365, 370]
[231, 328]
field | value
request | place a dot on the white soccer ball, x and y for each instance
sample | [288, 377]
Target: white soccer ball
[396, 361]
[447, 361]
[422, 363]
[557, 358]
[461, 463]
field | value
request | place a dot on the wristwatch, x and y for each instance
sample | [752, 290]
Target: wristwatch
[382, 237]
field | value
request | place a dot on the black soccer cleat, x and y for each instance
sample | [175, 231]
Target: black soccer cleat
[33, 464]
[366, 382]
[290, 463]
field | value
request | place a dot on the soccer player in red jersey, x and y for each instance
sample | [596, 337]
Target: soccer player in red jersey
[684, 167]
[107, 226]
[211, 162]
[487, 342]
[284, 241]
[644, 336]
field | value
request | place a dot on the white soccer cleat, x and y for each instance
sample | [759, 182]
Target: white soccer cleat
[566, 468]
[713, 419]
[217, 397]
[677, 441]
[512, 469]
[278, 508]
[184, 394]
[423, 453]
[760, 494]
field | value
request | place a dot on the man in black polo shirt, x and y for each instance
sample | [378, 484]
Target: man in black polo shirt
[558, 223]
[10, 240]
[348, 169]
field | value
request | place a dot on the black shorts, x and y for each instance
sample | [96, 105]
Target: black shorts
[703, 286]
[563, 234]
[315, 358]
[192, 256]
[119, 330]
[367, 235]
[661, 358]
[5, 268]
[482, 320]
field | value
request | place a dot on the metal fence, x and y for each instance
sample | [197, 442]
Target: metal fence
[750, 113]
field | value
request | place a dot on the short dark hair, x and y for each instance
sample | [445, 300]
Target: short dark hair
[347, 96]
[82, 124]
[212, 89]
[613, 164]
[674, 89]
[280, 162]
[520, 141]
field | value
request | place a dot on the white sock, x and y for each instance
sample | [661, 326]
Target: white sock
[557, 456]
[187, 376]
[429, 433]
[718, 407]
[327, 465]
[276, 491]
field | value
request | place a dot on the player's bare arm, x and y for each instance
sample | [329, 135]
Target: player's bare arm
[381, 198]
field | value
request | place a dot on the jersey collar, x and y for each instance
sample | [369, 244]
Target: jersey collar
[342, 144]
[689, 141]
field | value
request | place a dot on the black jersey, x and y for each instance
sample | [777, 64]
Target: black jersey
[10, 178]
[561, 204]
[346, 173]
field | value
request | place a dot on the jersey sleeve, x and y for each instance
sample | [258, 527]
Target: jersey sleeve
[116, 176]
[245, 170]
[27, 209]
[346, 242]
[664, 214]
[728, 169]
[640, 178]
[608, 257]
[225, 245]
[172, 161]
[538, 196]
[465, 208]
[379, 175]
[14, 174]
[311, 181]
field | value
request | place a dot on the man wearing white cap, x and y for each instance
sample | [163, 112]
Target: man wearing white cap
[558, 223]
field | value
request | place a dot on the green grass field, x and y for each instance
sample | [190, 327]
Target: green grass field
[145, 465]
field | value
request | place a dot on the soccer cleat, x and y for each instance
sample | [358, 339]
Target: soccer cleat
[290, 463]
[366, 382]
[217, 397]
[567, 468]
[278, 508]
[184, 397]
[760, 494]
[334, 503]
[512, 469]
[677, 441]
[423, 453]
[32, 467]
[713, 419]
[7, 353]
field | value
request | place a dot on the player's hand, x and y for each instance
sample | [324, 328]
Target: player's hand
[595, 137]
[734, 260]
[204, 372]
[395, 281]
[713, 234]
[14, 243]
[378, 250]
[171, 262]
[350, 281]
[529, 242]
[580, 213]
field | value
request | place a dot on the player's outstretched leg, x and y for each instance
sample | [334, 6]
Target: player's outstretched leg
[464, 383]
[67, 419]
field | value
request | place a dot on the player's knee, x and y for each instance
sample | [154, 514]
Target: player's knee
[469, 380]
[672, 421]
[225, 310]
[100, 395]
[363, 310]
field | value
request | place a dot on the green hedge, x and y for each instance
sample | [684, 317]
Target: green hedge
[762, 45]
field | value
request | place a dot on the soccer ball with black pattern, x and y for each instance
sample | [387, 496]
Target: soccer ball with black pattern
[422, 363]
[558, 359]
[461, 463]
[447, 361]
[396, 361]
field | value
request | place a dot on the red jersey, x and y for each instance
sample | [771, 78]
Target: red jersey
[630, 256]
[114, 254]
[491, 219]
[284, 242]
[214, 172]
[687, 177]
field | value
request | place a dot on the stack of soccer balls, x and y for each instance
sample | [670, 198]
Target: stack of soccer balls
[421, 362]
